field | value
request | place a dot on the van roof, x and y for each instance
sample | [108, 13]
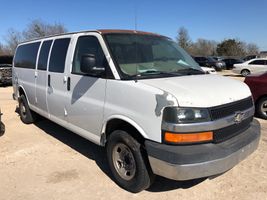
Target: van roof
[100, 31]
[108, 31]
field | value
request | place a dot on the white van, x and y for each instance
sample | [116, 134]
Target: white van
[143, 98]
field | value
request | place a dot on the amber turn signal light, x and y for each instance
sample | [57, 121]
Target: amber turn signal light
[188, 137]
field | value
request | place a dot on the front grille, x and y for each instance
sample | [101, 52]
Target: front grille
[222, 111]
[228, 132]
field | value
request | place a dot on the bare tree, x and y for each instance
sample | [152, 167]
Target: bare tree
[203, 47]
[13, 38]
[38, 28]
[252, 49]
[4, 50]
[1, 49]
[35, 29]
[183, 38]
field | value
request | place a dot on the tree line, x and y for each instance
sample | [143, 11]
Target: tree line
[35, 29]
[203, 47]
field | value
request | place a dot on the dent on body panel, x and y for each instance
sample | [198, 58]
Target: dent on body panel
[163, 100]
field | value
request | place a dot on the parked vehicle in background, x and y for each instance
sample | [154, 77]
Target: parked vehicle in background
[229, 62]
[209, 62]
[6, 70]
[263, 54]
[218, 58]
[5, 74]
[258, 87]
[6, 59]
[258, 65]
[209, 70]
[142, 97]
[249, 57]
[2, 126]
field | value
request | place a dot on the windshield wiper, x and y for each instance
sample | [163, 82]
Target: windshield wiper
[153, 72]
[191, 71]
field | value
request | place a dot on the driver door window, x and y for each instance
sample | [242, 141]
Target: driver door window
[88, 45]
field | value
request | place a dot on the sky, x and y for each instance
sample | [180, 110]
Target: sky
[206, 19]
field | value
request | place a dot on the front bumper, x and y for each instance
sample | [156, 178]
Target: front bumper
[203, 160]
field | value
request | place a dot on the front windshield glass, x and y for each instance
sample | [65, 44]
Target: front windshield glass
[147, 55]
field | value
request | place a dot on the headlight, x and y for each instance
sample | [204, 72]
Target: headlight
[185, 115]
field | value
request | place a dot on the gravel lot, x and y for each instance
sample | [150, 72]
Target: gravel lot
[45, 161]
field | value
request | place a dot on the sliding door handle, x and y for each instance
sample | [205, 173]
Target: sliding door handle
[49, 81]
[68, 84]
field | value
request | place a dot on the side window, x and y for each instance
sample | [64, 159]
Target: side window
[257, 62]
[43, 56]
[58, 55]
[26, 55]
[88, 45]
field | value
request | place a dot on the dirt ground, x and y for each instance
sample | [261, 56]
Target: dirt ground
[45, 161]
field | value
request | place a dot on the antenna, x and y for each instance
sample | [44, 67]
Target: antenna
[135, 16]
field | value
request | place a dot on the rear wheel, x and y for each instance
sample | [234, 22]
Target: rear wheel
[261, 108]
[2, 128]
[26, 115]
[245, 72]
[127, 162]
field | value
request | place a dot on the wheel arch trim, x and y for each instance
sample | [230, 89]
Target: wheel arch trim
[125, 119]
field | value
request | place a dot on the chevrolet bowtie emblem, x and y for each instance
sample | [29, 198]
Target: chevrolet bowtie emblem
[239, 116]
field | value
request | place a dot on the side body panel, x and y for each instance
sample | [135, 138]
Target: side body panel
[57, 88]
[41, 79]
[139, 104]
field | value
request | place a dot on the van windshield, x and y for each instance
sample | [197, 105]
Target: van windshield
[147, 56]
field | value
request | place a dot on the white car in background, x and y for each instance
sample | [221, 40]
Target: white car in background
[209, 70]
[253, 66]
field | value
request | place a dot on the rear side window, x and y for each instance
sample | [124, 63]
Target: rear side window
[58, 55]
[43, 56]
[257, 62]
[26, 55]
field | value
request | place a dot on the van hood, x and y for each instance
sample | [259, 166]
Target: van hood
[201, 90]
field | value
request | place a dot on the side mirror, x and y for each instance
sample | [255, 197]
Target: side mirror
[88, 65]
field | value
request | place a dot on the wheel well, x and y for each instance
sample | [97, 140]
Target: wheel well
[21, 91]
[118, 124]
[245, 70]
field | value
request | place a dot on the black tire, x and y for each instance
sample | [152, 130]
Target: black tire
[131, 170]
[26, 115]
[245, 72]
[261, 108]
[2, 128]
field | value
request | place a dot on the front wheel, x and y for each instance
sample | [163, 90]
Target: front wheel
[261, 108]
[245, 72]
[127, 162]
[26, 115]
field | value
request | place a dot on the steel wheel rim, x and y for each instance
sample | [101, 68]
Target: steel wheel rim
[23, 109]
[264, 108]
[123, 161]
